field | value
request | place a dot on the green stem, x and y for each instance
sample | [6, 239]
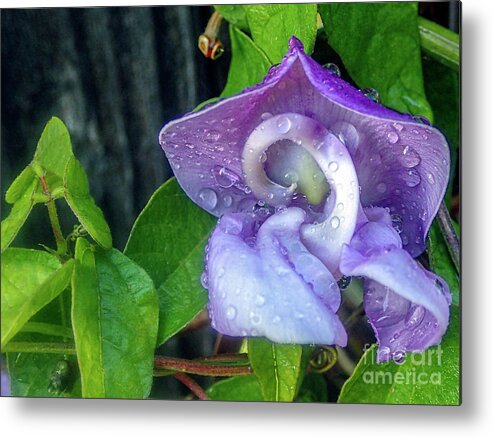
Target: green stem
[439, 43]
[165, 366]
[39, 348]
[47, 329]
[61, 243]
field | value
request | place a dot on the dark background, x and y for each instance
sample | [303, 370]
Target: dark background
[115, 76]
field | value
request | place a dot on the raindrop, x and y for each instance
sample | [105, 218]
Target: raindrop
[422, 120]
[212, 136]
[333, 166]
[431, 178]
[344, 282]
[262, 158]
[335, 222]
[259, 300]
[381, 187]
[266, 116]
[231, 313]
[284, 124]
[347, 134]
[208, 198]
[224, 177]
[372, 94]
[398, 127]
[383, 353]
[255, 318]
[411, 178]
[204, 280]
[415, 316]
[340, 206]
[227, 200]
[399, 357]
[397, 222]
[409, 158]
[333, 68]
[393, 137]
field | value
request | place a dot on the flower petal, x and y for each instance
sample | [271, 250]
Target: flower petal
[266, 283]
[401, 164]
[408, 307]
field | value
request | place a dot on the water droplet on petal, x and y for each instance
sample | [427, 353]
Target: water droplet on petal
[381, 187]
[204, 279]
[284, 124]
[231, 313]
[396, 222]
[415, 316]
[333, 166]
[255, 318]
[335, 222]
[393, 137]
[431, 178]
[411, 178]
[224, 177]
[266, 115]
[372, 94]
[333, 68]
[227, 200]
[208, 198]
[259, 300]
[409, 158]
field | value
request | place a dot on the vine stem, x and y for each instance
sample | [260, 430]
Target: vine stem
[165, 366]
[439, 43]
[61, 243]
[451, 239]
[195, 388]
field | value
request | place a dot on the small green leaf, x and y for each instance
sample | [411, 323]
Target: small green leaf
[30, 280]
[53, 151]
[379, 44]
[168, 240]
[23, 205]
[21, 184]
[238, 388]
[440, 261]
[235, 14]
[431, 377]
[248, 66]
[115, 320]
[272, 25]
[277, 368]
[83, 205]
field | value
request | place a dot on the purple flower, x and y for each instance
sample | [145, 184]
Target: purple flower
[312, 180]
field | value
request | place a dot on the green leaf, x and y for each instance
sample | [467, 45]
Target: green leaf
[238, 388]
[23, 205]
[43, 375]
[168, 241]
[21, 184]
[443, 91]
[379, 44]
[53, 152]
[277, 368]
[30, 280]
[440, 261]
[82, 204]
[272, 25]
[248, 66]
[115, 319]
[313, 389]
[431, 377]
[235, 14]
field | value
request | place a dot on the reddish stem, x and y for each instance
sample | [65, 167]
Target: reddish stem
[198, 368]
[192, 385]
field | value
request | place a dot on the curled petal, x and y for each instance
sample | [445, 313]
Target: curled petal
[408, 307]
[400, 163]
[263, 281]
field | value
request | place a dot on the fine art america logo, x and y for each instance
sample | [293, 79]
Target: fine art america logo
[419, 368]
